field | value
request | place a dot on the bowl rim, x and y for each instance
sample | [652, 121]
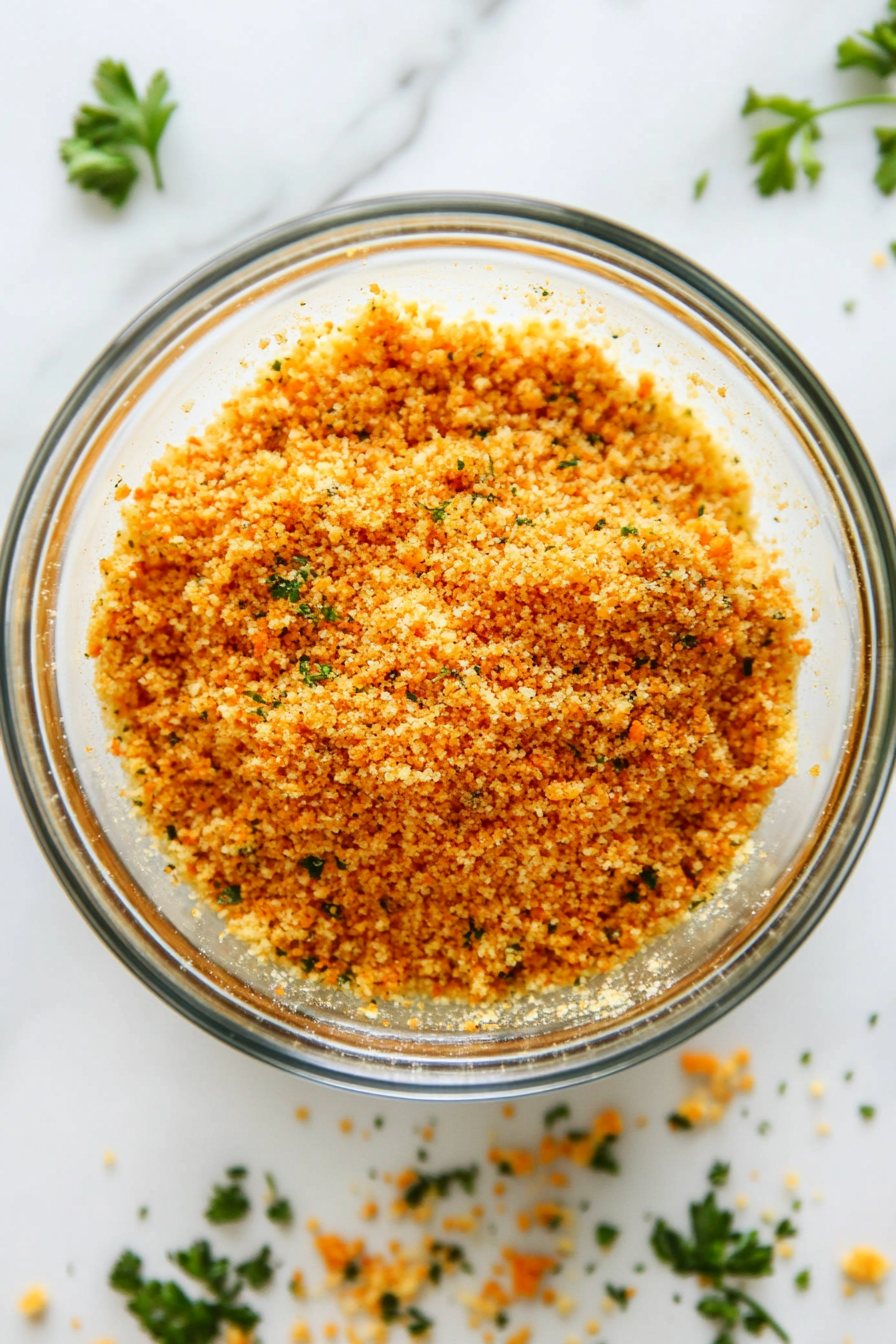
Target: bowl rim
[875, 526]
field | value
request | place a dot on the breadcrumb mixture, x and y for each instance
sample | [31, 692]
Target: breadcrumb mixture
[443, 661]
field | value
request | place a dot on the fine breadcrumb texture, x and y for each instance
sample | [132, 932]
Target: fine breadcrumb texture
[444, 660]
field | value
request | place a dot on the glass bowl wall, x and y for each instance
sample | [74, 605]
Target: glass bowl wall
[816, 501]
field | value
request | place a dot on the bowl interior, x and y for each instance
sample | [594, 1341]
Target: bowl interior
[170, 375]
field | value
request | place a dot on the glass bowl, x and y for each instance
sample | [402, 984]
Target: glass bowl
[816, 501]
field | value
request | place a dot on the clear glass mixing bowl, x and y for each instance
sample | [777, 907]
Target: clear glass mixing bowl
[816, 500]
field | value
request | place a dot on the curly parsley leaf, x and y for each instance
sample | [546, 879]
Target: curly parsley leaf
[715, 1251]
[97, 153]
[877, 53]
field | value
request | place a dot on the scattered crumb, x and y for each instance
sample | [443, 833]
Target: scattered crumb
[784, 1249]
[508, 1111]
[302, 1112]
[741, 1202]
[823, 1128]
[109, 1158]
[723, 1079]
[878, 259]
[34, 1302]
[346, 1125]
[791, 1180]
[865, 1266]
[641, 1122]
[300, 1333]
[816, 1088]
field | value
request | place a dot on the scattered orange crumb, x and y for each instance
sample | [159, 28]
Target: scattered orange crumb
[865, 1266]
[300, 1333]
[34, 1302]
[878, 259]
[558, 1178]
[109, 1158]
[331, 1330]
[122, 491]
[527, 1271]
[499, 1188]
[427, 1133]
[723, 1079]
[641, 1121]
[784, 1249]
[524, 1220]
[549, 1297]
[521, 1336]
[369, 1210]
[592, 1327]
[508, 1111]
[823, 1128]
[816, 1088]
[75, 1323]
[297, 1284]
[519, 1160]
[312, 1224]
[346, 1125]
[791, 1180]
[280, 991]
[815, 771]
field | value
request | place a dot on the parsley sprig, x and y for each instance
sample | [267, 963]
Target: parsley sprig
[717, 1254]
[97, 154]
[440, 1184]
[786, 149]
[170, 1315]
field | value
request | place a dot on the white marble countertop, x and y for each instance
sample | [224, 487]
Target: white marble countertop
[615, 106]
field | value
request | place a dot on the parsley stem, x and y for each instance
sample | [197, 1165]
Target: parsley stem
[874, 98]
[755, 1307]
[156, 170]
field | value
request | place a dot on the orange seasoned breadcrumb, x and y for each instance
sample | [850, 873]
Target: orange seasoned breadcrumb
[384, 1289]
[722, 1080]
[444, 661]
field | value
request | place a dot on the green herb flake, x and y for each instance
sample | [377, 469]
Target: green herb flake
[171, 832]
[556, 1113]
[718, 1174]
[229, 1203]
[806, 1057]
[678, 1121]
[628, 531]
[803, 1280]
[276, 366]
[440, 1184]
[748, 667]
[867, 1112]
[313, 865]
[258, 1271]
[700, 185]
[279, 1209]
[605, 1234]
[231, 895]
[570, 462]
[618, 1295]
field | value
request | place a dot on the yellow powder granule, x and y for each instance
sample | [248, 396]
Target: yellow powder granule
[34, 1302]
[444, 661]
[865, 1266]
